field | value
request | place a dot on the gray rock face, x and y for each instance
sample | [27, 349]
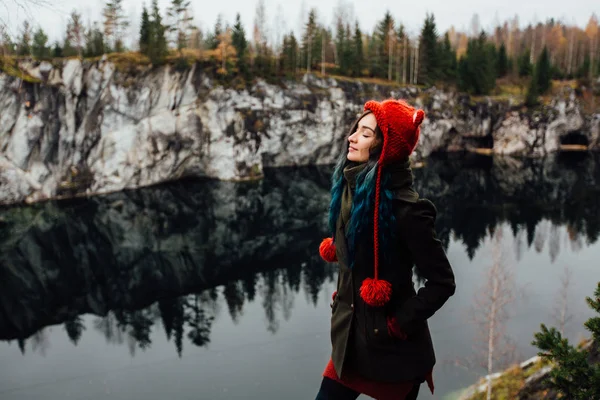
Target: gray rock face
[91, 128]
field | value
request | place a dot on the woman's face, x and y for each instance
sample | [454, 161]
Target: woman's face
[363, 139]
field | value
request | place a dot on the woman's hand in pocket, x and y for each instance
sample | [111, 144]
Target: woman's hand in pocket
[394, 329]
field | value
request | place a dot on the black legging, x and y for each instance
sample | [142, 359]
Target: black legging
[332, 390]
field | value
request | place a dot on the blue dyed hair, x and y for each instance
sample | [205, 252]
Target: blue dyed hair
[363, 202]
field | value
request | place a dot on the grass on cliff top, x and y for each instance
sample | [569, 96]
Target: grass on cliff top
[505, 90]
[8, 65]
[372, 81]
[507, 386]
[516, 90]
[173, 57]
[135, 61]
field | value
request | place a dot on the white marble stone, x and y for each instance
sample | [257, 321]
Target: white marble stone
[124, 131]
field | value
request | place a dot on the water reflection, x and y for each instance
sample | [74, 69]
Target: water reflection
[175, 255]
[473, 196]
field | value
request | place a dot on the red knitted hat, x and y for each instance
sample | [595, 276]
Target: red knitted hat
[400, 126]
[399, 123]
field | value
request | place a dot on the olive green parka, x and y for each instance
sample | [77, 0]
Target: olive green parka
[359, 333]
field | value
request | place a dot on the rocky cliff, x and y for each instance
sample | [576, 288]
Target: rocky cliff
[529, 380]
[77, 128]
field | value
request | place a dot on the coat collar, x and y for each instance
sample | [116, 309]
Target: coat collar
[400, 183]
[351, 171]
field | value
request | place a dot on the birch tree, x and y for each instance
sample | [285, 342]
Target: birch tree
[561, 314]
[115, 23]
[180, 19]
[24, 6]
[260, 35]
[591, 31]
[76, 32]
[24, 43]
[491, 311]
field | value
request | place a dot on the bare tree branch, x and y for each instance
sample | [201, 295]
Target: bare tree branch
[490, 312]
[561, 313]
[25, 6]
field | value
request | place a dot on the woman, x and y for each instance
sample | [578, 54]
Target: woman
[381, 345]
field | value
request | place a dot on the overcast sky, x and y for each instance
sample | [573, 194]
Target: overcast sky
[457, 13]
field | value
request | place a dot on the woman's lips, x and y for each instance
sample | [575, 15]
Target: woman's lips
[351, 149]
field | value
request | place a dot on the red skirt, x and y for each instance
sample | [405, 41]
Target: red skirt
[377, 390]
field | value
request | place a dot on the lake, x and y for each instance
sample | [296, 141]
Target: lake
[215, 290]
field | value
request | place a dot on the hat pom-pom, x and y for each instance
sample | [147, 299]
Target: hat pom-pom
[376, 292]
[418, 117]
[327, 250]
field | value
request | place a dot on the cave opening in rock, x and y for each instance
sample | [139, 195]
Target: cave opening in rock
[575, 138]
[479, 144]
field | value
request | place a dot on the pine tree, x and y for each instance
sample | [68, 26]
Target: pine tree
[178, 12]
[593, 324]
[358, 58]
[476, 70]
[68, 50]
[238, 40]
[543, 71]
[212, 40]
[383, 37]
[290, 54]
[57, 51]
[94, 42]
[399, 51]
[524, 64]
[447, 60]
[502, 61]
[584, 69]
[7, 45]
[24, 45]
[379, 47]
[531, 98]
[311, 41]
[573, 375]
[262, 61]
[429, 70]
[144, 31]
[373, 56]
[39, 48]
[492, 55]
[347, 53]
[157, 45]
[341, 46]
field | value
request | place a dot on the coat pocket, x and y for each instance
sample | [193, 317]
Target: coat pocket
[334, 302]
[376, 328]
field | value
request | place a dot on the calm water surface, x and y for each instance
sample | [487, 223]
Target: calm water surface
[215, 290]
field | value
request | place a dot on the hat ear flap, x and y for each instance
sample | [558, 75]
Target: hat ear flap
[418, 117]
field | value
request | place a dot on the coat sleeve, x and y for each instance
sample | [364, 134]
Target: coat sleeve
[416, 228]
